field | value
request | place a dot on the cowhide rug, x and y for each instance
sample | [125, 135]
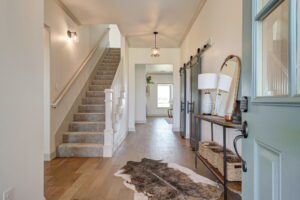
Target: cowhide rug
[156, 180]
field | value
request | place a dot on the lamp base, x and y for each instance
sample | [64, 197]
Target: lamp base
[207, 104]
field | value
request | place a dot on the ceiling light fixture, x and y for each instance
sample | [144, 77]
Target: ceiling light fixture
[155, 49]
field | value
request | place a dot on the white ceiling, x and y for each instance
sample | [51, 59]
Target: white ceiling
[161, 68]
[137, 19]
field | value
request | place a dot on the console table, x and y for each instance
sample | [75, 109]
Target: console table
[235, 186]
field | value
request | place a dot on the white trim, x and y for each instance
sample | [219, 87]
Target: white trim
[131, 129]
[68, 12]
[49, 157]
[158, 115]
[108, 143]
[140, 121]
[176, 129]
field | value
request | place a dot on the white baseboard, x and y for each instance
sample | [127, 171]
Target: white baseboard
[49, 157]
[176, 129]
[157, 115]
[140, 121]
[107, 151]
[131, 129]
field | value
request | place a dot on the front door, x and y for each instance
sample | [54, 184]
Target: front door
[270, 80]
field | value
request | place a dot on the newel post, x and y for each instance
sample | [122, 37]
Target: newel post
[108, 131]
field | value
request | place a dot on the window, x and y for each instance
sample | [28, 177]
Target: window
[272, 71]
[164, 95]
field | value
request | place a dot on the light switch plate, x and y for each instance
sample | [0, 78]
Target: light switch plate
[8, 194]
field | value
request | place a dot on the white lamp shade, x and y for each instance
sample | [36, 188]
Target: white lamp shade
[224, 83]
[207, 81]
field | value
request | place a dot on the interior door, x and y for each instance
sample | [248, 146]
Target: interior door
[183, 102]
[194, 104]
[270, 79]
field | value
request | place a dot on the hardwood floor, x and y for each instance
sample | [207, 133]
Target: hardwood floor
[93, 178]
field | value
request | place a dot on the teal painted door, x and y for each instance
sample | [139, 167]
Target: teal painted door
[269, 78]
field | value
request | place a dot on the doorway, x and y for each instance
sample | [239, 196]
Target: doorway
[154, 92]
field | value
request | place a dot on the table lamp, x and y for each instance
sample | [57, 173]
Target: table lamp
[207, 82]
[224, 85]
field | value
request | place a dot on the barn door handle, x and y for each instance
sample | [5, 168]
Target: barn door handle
[245, 134]
[182, 106]
[191, 106]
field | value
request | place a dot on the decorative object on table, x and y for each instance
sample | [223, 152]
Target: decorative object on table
[148, 83]
[228, 117]
[237, 114]
[224, 102]
[207, 82]
[234, 167]
[224, 84]
[213, 155]
[153, 179]
[204, 148]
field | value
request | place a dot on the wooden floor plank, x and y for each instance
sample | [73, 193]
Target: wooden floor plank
[93, 178]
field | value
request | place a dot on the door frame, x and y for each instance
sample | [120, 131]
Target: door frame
[48, 155]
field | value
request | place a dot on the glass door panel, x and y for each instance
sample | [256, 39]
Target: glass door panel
[272, 69]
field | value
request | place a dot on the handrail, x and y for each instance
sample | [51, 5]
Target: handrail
[77, 73]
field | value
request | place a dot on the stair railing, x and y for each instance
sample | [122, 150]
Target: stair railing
[113, 110]
[84, 64]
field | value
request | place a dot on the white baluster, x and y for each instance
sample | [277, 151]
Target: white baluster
[108, 132]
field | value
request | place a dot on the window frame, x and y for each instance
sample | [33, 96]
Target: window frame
[171, 90]
[258, 15]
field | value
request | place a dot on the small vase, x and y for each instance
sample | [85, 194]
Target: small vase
[237, 114]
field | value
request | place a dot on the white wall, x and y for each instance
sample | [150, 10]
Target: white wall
[221, 20]
[21, 102]
[114, 36]
[140, 93]
[142, 56]
[66, 58]
[152, 109]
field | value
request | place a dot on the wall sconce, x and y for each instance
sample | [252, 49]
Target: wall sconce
[72, 36]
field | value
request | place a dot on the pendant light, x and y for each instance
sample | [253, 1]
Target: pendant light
[155, 49]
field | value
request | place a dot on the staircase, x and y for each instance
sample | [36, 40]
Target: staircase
[85, 137]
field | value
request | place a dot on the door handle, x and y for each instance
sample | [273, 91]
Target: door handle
[182, 106]
[191, 106]
[245, 134]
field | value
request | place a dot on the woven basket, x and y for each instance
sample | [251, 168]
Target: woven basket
[234, 167]
[204, 147]
[213, 155]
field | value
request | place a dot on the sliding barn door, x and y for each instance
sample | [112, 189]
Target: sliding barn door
[194, 104]
[183, 102]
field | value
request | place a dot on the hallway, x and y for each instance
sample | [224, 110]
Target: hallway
[93, 178]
